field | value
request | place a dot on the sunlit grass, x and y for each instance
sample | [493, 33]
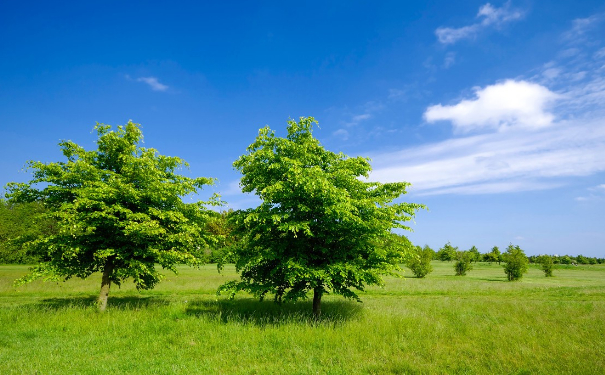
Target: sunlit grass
[479, 323]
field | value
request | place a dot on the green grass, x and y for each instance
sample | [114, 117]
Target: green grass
[478, 323]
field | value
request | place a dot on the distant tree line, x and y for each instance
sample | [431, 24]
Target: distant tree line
[514, 259]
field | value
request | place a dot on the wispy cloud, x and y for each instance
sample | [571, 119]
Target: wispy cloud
[450, 59]
[580, 26]
[488, 17]
[502, 105]
[594, 193]
[516, 160]
[153, 83]
[342, 134]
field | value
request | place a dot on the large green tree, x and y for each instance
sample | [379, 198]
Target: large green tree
[321, 226]
[119, 211]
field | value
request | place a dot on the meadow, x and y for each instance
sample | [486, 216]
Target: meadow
[476, 324]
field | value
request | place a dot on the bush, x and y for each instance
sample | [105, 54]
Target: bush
[419, 261]
[447, 252]
[463, 263]
[565, 259]
[547, 264]
[516, 262]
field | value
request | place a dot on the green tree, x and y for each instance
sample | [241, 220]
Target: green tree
[516, 262]
[474, 254]
[493, 256]
[118, 211]
[463, 262]
[320, 226]
[419, 261]
[447, 252]
[547, 264]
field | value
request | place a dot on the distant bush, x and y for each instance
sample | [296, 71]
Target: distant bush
[565, 259]
[447, 252]
[419, 261]
[516, 262]
[493, 256]
[547, 264]
[474, 254]
[463, 262]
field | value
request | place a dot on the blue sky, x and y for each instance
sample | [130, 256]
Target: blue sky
[493, 111]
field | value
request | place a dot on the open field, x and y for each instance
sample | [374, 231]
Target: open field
[442, 324]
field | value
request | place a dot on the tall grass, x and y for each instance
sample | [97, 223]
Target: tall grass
[440, 324]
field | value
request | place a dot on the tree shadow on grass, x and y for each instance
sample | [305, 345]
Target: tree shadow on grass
[120, 303]
[251, 311]
[503, 279]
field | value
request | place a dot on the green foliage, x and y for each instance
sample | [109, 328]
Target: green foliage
[547, 264]
[419, 261]
[19, 224]
[516, 262]
[493, 256]
[320, 225]
[222, 229]
[118, 210]
[447, 252]
[463, 262]
[565, 259]
[474, 254]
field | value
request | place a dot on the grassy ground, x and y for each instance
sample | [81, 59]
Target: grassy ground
[441, 324]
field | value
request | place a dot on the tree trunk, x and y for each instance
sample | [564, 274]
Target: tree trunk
[317, 293]
[105, 284]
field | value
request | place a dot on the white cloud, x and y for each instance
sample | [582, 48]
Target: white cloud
[500, 106]
[488, 16]
[153, 83]
[518, 160]
[448, 35]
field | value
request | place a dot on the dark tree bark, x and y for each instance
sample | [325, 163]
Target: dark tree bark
[105, 285]
[317, 293]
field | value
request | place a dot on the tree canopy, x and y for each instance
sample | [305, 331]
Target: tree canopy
[19, 224]
[118, 209]
[321, 225]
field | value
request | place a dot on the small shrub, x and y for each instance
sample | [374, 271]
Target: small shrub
[547, 264]
[463, 263]
[419, 261]
[516, 262]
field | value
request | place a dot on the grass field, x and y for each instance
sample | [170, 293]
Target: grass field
[479, 323]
